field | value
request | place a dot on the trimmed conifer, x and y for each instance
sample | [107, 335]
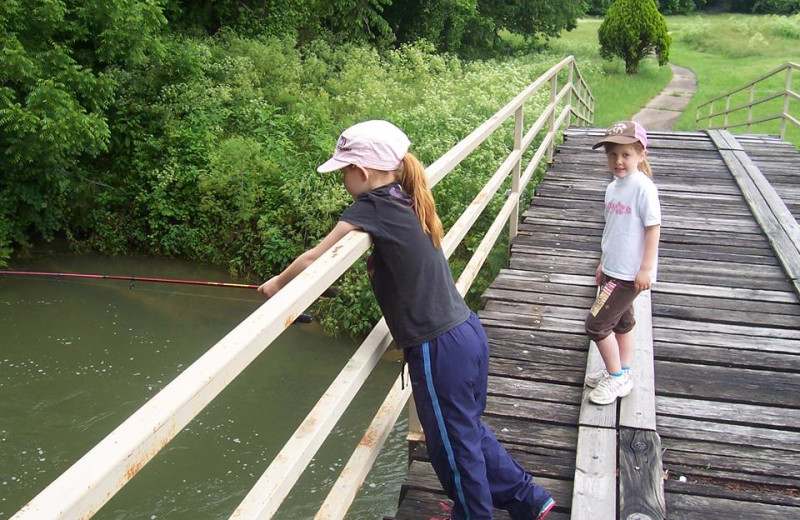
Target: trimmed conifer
[632, 29]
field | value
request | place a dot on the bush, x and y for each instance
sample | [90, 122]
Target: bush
[785, 26]
[631, 30]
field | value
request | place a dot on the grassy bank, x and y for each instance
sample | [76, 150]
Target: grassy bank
[727, 52]
[724, 51]
[617, 95]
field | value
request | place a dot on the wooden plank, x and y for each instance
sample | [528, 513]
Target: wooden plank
[595, 482]
[745, 459]
[780, 226]
[727, 356]
[730, 413]
[687, 428]
[718, 489]
[692, 507]
[638, 409]
[599, 416]
[641, 479]
[759, 332]
[713, 383]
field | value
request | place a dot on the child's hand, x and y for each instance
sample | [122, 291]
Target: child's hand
[598, 274]
[270, 287]
[642, 281]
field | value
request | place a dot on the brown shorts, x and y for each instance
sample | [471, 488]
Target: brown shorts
[612, 310]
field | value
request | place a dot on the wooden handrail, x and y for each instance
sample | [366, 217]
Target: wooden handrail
[786, 93]
[86, 486]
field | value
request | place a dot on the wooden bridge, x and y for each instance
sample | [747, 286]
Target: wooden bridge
[712, 429]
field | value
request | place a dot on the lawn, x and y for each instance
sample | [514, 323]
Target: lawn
[724, 51]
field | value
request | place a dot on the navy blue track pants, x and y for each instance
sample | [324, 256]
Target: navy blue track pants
[449, 378]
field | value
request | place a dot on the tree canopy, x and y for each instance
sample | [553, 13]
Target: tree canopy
[632, 29]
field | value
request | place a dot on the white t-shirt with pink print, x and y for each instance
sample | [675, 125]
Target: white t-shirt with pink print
[631, 205]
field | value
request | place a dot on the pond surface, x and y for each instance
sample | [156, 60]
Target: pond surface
[78, 356]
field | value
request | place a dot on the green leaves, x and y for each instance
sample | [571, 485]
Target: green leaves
[631, 30]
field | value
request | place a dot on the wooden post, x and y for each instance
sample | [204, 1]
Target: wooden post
[750, 106]
[553, 90]
[727, 107]
[569, 96]
[710, 113]
[513, 222]
[787, 88]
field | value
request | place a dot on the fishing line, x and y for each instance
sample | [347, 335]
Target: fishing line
[330, 292]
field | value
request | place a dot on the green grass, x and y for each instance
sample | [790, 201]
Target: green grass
[617, 95]
[724, 51]
[727, 52]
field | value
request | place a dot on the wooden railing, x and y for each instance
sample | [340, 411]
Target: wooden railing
[86, 486]
[786, 94]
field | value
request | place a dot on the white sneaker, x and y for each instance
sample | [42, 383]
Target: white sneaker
[593, 379]
[611, 387]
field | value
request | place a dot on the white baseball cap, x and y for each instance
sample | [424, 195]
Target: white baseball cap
[375, 144]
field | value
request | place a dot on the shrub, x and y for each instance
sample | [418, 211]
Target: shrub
[631, 30]
[785, 26]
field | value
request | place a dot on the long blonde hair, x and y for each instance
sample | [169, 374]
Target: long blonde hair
[644, 165]
[415, 183]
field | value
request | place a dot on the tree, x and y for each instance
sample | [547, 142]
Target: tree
[57, 80]
[631, 30]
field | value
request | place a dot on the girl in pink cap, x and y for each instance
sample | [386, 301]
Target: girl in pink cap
[629, 257]
[443, 342]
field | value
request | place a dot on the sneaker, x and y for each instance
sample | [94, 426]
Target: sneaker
[593, 379]
[546, 507]
[611, 387]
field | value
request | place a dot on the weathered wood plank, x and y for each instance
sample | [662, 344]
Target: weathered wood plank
[713, 383]
[770, 211]
[595, 483]
[730, 413]
[683, 428]
[638, 409]
[641, 479]
[693, 507]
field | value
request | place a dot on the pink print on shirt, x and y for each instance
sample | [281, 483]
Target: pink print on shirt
[619, 208]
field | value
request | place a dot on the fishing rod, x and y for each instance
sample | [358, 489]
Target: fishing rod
[330, 292]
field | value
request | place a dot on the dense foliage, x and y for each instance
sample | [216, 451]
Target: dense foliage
[126, 136]
[631, 30]
[666, 7]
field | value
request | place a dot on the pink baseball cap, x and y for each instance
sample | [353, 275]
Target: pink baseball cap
[623, 132]
[375, 144]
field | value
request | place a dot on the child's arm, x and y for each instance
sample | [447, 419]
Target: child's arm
[276, 283]
[652, 234]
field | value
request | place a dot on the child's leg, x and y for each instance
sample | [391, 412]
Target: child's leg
[511, 487]
[626, 342]
[444, 376]
[610, 352]
[611, 319]
[448, 378]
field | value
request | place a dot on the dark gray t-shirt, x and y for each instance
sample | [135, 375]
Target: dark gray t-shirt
[410, 277]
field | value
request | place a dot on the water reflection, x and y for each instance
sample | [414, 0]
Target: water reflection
[78, 356]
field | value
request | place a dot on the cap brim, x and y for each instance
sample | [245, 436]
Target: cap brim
[331, 165]
[615, 139]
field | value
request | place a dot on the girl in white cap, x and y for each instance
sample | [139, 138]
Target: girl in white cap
[629, 257]
[443, 342]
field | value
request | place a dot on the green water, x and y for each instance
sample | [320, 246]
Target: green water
[77, 357]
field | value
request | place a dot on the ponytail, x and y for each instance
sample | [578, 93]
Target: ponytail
[415, 183]
[645, 167]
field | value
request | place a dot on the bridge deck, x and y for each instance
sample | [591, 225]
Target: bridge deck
[725, 338]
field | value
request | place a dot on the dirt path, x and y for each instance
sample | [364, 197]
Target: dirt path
[663, 111]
